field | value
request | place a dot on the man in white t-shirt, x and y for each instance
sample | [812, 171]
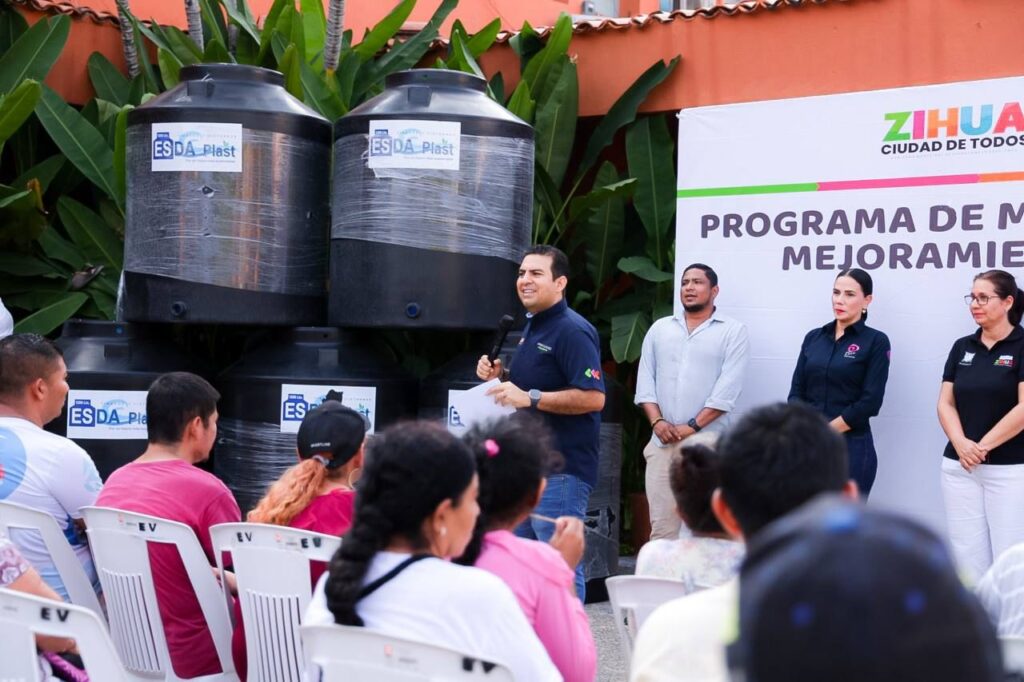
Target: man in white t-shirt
[38, 469]
[6, 321]
[773, 461]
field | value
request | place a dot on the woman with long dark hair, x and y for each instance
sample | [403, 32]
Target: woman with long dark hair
[842, 370]
[416, 508]
[513, 457]
[981, 409]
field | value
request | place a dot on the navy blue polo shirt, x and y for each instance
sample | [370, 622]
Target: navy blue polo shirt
[560, 350]
[843, 378]
[985, 385]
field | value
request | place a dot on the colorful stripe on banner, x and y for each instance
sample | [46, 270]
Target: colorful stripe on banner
[844, 185]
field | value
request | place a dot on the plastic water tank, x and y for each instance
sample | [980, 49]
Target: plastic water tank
[110, 367]
[432, 198]
[268, 391]
[228, 202]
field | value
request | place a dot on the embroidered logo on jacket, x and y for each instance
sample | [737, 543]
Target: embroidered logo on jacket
[543, 348]
[1004, 361]
[593, 374]
[967, 359]
[851, 351]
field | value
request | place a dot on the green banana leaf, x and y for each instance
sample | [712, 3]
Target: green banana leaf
[628, 336]
[107, 80]
[649, 154]
[603, 231]
[482, 40]
[269, 27]
[289, 66]
[12, 26]
[216, 53]
[32, 54]
[43, 172]
[16, 107]
[100, 244]
[521, 104]
[555, 120]
[624, 111]
[21, 265]
[376, 39]
[314, 29]
[240, 16]
[644, 268]
[80, 142]
[56, 247]
[542, 66]
[214, 26]
[170, 68]
[45, 320]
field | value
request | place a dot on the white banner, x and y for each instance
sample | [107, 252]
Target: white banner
[215, 147]
[298, 399]
[396, 143]
[922, 187]
[106, 415]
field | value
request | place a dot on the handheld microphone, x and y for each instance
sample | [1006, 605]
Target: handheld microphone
[504, 325]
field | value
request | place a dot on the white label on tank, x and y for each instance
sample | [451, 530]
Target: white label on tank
[107, 415]
[454, 419]
[215, 147]
[298, 399]
[401, 143]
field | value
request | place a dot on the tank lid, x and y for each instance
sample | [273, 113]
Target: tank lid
[233, 72]
[436, 78]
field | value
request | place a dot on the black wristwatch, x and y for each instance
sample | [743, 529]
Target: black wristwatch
[694, 425]
[534, 397]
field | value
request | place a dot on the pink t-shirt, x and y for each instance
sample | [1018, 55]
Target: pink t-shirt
[543, 584]
[177, 491]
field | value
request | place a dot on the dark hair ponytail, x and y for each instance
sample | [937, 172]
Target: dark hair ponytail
[513, 455]
[862, 278]
[1006, 285]
[409, 470]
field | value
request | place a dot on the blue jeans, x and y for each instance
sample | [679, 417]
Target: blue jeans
[863, 461]
[565, 495]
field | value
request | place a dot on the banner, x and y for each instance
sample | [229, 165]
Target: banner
[922, 187]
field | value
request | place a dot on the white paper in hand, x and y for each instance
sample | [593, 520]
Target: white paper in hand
[466, 408]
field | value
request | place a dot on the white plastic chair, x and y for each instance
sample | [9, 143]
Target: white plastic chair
[1013, 655]
[271, 565]
[344, 654]
[633, 598]
[22, 616]
[119, 545]
[76, 582]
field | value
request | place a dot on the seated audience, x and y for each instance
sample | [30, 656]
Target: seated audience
[416, 507]
[1001, 591]
[317, 494]
[842, 593]
[39, 469]
[776, 458]
[16, 574]
[708, 556]
[513, 457]
[181, 413]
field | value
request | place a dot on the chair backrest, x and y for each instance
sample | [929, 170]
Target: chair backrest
[271, 565]
[76, 582]
[1013, 655]
[344, 653]
[119, 541]
[22, 616]
[633, 598]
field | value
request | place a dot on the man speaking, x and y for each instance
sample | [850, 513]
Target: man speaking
[556, 371]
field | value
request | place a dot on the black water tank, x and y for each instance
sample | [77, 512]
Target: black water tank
[228, 202]
[110, 368]
[268, 391]
[432, 198]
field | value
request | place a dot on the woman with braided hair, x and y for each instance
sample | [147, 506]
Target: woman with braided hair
[416, 507]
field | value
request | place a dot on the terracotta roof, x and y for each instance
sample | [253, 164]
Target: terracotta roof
[604, 24]
[598, 24]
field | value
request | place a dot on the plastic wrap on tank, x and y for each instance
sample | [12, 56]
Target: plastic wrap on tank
[474, 210]
[250, 456]
[258, 230]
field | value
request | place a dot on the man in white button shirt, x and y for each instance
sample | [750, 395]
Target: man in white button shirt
[691, 373]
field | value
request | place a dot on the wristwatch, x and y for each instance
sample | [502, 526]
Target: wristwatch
[534, 397]
[693, 425]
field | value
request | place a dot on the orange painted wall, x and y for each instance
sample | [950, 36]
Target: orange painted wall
[802, 51]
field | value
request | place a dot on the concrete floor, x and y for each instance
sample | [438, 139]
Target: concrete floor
[612, 665]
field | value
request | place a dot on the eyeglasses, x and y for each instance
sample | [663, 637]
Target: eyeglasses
[980, 300]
